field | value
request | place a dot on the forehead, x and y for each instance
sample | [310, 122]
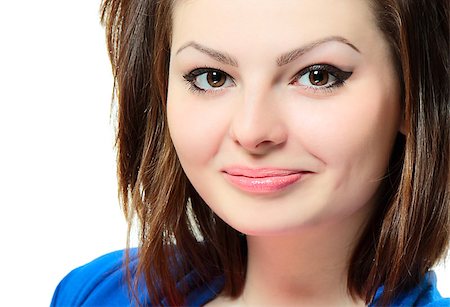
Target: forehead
[272, 24]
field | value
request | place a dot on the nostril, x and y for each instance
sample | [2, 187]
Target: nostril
[257, 147]
[257, 127]
[258, 139]
[265, 143]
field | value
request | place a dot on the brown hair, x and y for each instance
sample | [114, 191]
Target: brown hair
[406, 236]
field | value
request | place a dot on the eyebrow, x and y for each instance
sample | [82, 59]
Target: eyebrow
[290, 56]
[282, 60]
[216, 55]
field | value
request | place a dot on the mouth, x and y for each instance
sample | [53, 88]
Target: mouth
[263, 180]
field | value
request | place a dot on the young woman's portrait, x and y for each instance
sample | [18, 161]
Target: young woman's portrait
[277, 153]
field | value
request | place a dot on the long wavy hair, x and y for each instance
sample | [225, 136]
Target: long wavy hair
[406, 236]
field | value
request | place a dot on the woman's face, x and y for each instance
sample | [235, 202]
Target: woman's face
[283, 113]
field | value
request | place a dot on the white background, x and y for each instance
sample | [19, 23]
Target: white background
[58, 196]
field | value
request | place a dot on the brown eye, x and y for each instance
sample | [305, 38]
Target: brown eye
[209, 79]
[321, 77]
[216, 78]
[318, 77]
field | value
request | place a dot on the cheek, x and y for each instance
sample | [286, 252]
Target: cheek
[196, 127]
[354, 133]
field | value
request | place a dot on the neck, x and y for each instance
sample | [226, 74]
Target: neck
[308, 267]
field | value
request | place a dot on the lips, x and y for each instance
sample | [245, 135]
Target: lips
[262, 180]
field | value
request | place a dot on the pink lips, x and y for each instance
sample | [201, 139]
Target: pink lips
[263, 180]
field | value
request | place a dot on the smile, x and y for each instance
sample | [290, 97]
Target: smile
[262, 181]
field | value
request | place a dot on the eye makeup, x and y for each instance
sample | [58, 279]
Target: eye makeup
[207, 79]
[319, 78]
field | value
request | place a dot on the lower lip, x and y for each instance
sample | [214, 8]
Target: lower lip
[264, 185]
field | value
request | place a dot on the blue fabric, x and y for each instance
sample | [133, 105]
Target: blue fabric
[424, 294]
[102, 283]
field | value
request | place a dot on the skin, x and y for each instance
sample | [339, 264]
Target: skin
[300, 237]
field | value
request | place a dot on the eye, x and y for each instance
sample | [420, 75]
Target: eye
[321, 76]
[317, 78]
[208, 79]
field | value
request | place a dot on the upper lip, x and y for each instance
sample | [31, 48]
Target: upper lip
[260, 172]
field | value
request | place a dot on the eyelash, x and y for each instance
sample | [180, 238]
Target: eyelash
[193, 74]
[339, 75]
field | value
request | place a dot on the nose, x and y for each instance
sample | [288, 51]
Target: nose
[257, 124]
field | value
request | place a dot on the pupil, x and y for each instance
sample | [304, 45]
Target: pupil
[216, 79]
[318, 77]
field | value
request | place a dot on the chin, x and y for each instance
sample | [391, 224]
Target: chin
[270, 226]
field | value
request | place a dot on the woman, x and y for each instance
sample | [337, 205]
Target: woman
[278, 153]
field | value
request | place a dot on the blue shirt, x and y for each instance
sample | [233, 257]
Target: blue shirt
[102, 283]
